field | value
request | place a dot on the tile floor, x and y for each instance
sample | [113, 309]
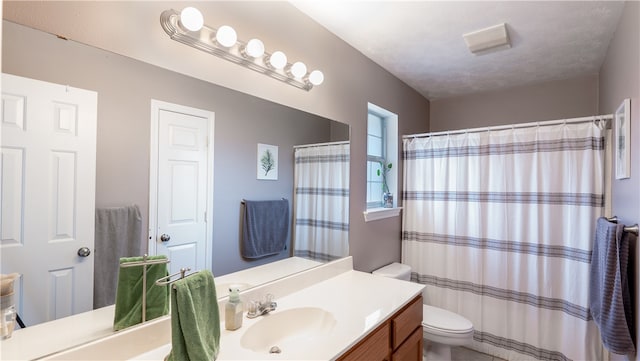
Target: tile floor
[465, 354]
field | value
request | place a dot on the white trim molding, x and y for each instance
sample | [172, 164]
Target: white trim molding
[373, 214]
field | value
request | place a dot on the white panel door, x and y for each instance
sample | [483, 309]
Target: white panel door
[183, 186]
[48, 166]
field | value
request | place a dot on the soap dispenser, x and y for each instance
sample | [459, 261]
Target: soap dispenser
[233, 310]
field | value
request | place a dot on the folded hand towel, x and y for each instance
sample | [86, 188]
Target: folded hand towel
[195, 319]
[129, 293]
[609, 295]
[266, 228]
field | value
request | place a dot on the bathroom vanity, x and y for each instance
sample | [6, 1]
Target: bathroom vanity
[399, 338]
[330, 312]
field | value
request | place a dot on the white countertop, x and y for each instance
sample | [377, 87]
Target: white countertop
[358, 301]
[259, 275]
[49, 337]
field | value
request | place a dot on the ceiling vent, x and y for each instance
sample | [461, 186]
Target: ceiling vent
[488, 40]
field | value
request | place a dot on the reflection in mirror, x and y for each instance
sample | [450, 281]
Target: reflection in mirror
[125, 89]
[322, 201]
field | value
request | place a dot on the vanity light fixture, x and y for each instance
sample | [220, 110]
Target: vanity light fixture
[188, 28]
[298, 70]
[191, 19]
[316, 77]
[226, 36]
[277, 60]
[254, 48]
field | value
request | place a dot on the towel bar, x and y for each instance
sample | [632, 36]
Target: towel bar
[144, 263]
[243, 200]
[631, 229]
[167, 280]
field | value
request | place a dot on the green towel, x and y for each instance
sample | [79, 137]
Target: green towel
[195, 320]
[129, 293]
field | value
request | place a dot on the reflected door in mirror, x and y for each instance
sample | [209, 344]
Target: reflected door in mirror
[48, 196]
[183, 188]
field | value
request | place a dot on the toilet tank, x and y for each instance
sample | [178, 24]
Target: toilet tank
[394, 270]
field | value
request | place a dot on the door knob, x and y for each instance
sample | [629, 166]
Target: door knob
[165, 238]
[84, 252]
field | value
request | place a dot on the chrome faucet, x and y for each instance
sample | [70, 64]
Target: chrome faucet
[262, 307]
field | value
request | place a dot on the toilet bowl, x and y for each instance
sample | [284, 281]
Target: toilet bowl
[441, 329]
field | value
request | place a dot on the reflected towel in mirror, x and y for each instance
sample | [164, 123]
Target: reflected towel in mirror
[265, 228]
[128, 310]
[118, 233]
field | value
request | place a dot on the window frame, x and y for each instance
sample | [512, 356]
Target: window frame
[389, 135]
[375, 158]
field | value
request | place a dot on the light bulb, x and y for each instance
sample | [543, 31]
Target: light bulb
[226, 36]
[316, 77]
[298, 69]
[191, 19]
[278, 60]
[254, 48]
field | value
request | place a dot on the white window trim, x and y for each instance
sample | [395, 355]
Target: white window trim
[374, 214]
[391, 130]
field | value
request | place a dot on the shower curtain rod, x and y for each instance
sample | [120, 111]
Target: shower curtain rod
[513, 126]
[320, 144]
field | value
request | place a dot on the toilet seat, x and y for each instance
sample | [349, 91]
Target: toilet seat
[441, 321]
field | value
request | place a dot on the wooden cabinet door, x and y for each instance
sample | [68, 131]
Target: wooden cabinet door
[411, 349]
[402, 334]
[375, 347]
[406, 321]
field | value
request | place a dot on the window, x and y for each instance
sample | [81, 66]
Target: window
[382, 148]
[375, 155]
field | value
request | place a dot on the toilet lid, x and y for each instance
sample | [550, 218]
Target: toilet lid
[441, 319]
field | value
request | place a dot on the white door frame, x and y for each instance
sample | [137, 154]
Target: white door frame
[156, 107]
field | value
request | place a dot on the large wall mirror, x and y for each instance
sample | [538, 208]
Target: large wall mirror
[126, 88]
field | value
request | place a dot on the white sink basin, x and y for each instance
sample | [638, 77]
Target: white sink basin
[289, 330]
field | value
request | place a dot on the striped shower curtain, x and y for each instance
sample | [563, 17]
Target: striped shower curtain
[499, 226]
[321, 179]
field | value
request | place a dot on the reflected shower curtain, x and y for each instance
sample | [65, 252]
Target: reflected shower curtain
[499, 226]
[321, 227]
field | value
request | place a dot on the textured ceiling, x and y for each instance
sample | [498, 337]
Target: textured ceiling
[421, 42]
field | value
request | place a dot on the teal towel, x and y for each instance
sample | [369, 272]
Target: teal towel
[129, 293]
[195, 320]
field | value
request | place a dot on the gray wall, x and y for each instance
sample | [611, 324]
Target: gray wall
[620, 79]
[558, 99]
[125, 88]
[351, 79]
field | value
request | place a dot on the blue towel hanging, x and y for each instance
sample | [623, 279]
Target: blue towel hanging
[265, 228]
[609, 293]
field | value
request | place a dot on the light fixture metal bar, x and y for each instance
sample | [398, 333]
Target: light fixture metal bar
[201, 40]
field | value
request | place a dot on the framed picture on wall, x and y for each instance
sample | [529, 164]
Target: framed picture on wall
[267, 162]
[622, 139]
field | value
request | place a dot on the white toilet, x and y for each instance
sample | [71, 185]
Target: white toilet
[441, 329]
